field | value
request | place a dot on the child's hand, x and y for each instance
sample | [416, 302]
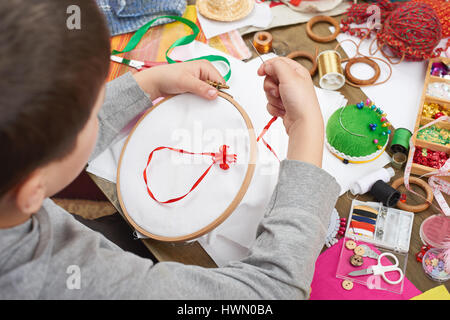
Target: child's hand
[291, 96]
[180, 78]
[289, 91]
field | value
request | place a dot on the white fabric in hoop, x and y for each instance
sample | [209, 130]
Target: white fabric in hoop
[194, 124]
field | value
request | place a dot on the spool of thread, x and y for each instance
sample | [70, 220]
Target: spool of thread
[385, 193]
[400, 141]
[262, 41]
[331, 76]
[365, 184]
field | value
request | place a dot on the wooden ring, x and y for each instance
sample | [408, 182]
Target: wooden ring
[420, 183]
[234, 203]
[369, 62]
[304, 54]
[328, 19]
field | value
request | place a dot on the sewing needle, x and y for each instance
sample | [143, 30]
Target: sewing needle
[257, 52]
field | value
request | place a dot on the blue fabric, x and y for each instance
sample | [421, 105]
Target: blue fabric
[125, 16]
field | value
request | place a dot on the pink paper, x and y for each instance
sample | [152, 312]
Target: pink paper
[325, 285]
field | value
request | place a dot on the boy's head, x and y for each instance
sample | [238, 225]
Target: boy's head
[51, 88]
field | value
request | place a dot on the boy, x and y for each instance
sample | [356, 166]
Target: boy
[53, 103]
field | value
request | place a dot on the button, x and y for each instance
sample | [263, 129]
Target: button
[350, 244]
[356, 260]
[347, 285]
[359, 250]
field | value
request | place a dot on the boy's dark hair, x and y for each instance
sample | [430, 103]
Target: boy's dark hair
[50, 78]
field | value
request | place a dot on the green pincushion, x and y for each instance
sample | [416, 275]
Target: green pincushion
[349, 130]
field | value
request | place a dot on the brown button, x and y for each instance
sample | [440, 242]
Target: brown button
[359, 250]
[356, 260]
[347, 285]
[350, 244]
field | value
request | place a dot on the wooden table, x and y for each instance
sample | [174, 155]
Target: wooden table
[192, 253]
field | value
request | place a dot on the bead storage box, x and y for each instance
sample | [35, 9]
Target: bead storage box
[377, 229]
[432, 144]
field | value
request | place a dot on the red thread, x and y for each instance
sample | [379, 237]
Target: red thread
[362, 225]
[224, 165]
[263, 132]
[218, 156]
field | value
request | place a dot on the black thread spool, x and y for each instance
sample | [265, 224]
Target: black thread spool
[385, 193]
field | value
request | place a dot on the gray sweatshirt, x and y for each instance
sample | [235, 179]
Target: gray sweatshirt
[53, 256]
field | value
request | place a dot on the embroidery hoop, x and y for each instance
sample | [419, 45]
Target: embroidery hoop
[230, 208]
[416, 208]
[322, 39]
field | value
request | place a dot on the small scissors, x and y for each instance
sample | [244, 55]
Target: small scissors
[138, 65]
[380, 269]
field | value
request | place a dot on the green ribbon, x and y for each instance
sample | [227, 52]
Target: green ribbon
[136, 38]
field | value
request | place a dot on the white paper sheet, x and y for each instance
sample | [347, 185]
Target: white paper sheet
[260, 17]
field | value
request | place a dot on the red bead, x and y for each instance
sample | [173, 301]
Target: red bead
[419, 256]
[438, 115]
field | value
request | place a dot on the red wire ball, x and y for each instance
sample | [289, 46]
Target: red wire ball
[412, 29]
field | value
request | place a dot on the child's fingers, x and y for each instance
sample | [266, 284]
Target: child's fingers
[199, 87]
[276, 102]
[274, 111]
[271, 86]
[209, 72]
[280, 70]
[297, 67]
[283, 69]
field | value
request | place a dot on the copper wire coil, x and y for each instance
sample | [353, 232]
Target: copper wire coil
[262, 41]
[331, 76]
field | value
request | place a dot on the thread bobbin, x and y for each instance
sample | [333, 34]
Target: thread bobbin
[400, 141]
[385, 193]
[331, 76]
[262, 41]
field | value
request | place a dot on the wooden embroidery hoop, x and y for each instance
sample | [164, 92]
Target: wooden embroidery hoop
[307, 55]
[419, 182]
[363, 82]
[321, 39]
[234, 203]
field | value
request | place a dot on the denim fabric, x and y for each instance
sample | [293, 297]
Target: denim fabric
[129, 15]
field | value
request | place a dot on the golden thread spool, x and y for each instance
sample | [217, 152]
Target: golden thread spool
[331, 76]
[262, 41]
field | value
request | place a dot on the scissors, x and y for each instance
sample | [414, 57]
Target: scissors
[380, 269]
[138, 65]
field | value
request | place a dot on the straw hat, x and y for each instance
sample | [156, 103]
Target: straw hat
[225, 10]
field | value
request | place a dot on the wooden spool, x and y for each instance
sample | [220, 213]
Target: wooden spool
[231, 207]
